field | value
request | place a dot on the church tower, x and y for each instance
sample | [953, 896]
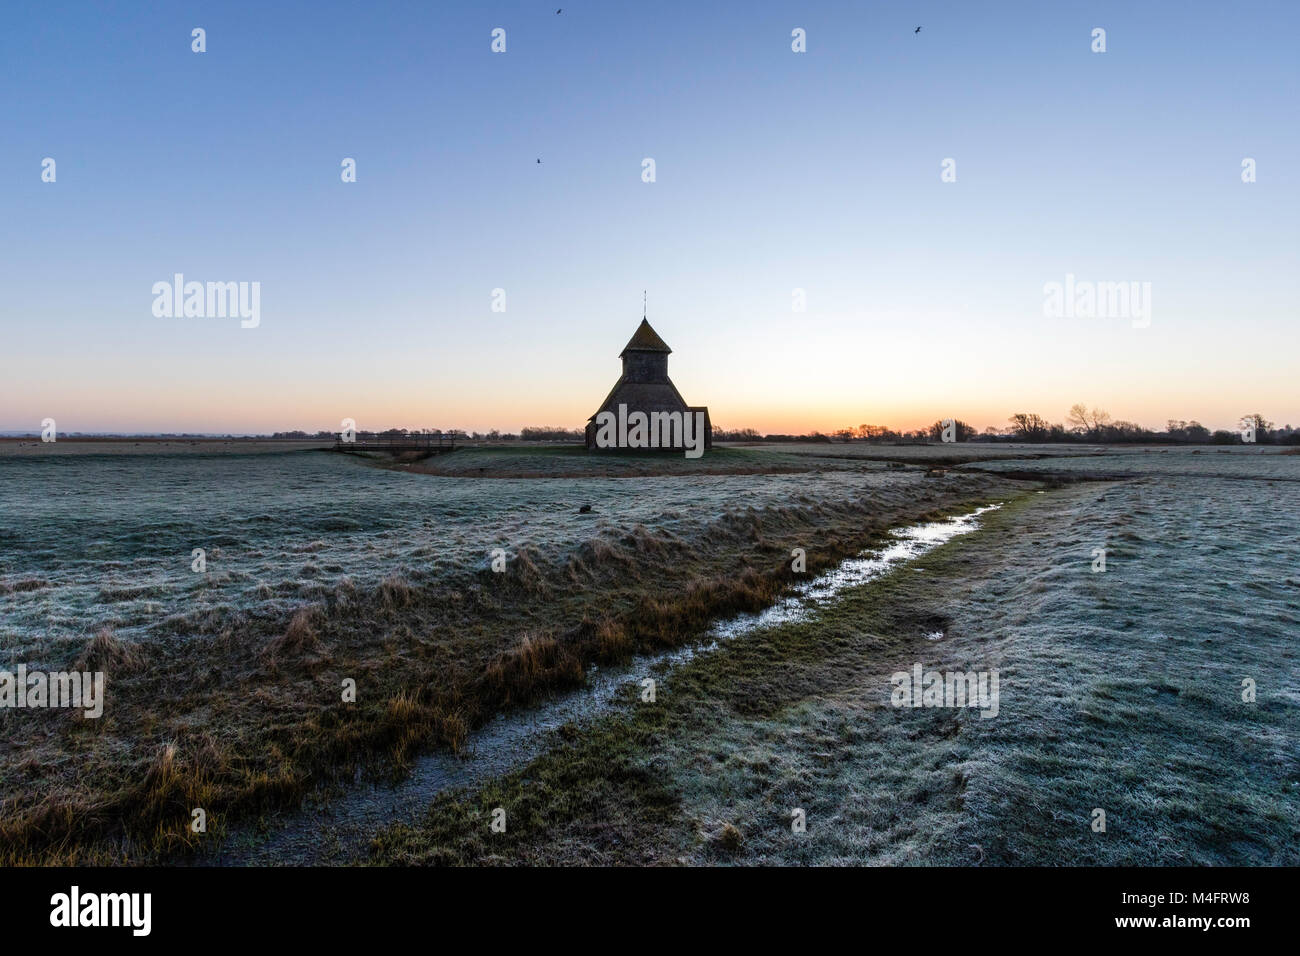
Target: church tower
[645, 359]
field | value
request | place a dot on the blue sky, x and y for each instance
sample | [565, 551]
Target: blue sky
[774, 171]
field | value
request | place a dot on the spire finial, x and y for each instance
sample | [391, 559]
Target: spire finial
[644, 299]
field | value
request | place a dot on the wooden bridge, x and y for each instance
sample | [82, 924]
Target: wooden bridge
[426, 443]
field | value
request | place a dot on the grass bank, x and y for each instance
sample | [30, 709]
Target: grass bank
[575, 461]
[246, 714]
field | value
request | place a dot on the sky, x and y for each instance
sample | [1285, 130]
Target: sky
[774, 171]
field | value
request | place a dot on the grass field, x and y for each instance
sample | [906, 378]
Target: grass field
[1120, 691]
[224, 685]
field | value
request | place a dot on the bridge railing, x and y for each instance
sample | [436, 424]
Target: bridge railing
[420, 441]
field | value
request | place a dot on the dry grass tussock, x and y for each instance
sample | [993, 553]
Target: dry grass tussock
[105, 652]
[301, 639]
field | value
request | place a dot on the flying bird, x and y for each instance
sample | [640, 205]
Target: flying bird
[539, 161]
[917, 30]
[559, 11]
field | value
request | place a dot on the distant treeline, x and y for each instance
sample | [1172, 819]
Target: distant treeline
[386, 433]
[1081, 425]
[530, 433]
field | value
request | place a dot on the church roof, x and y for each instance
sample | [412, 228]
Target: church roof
[643, 396]
[645, 339]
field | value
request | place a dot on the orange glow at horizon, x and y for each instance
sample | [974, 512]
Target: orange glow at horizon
[882, 374]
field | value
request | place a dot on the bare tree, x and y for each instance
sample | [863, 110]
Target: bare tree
[1029, 426]
[962, 431]
[1091, 422]
[1263, 427]
[1077, 417]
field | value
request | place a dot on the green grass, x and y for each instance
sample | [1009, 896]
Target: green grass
[543, 461]
[1092, 715]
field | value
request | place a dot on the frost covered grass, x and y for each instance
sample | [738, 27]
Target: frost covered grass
[1242, 462]
[1121, 691]
[224, 686]
[563, 461]
[924, 453]
[108, 540]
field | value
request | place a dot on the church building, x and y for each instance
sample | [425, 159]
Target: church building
[644, 409]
